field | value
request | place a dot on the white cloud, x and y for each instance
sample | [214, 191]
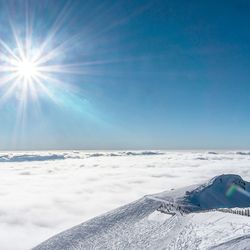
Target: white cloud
[42, 198]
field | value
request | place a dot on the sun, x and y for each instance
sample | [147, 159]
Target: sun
[26, 72]
[26, 69]
[35, 69]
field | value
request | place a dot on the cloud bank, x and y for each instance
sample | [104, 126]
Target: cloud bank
[43, 193]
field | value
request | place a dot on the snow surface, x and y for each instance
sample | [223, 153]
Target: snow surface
[44, 193]
[133, 226]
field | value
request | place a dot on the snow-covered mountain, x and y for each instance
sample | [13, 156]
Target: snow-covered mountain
[187, 218]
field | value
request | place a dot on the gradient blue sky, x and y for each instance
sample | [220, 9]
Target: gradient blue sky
[157, 74]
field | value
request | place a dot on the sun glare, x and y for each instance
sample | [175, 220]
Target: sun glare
[26, 69]
[33, 69]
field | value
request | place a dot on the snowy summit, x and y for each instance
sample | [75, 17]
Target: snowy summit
[213, 215]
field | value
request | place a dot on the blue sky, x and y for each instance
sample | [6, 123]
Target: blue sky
[142, 74]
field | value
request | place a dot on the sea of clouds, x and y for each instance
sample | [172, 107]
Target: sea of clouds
[43, 193]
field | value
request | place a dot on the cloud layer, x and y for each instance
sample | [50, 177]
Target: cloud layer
[51, 156]
[43, 193]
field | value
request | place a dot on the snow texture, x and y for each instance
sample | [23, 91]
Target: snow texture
[130, 226]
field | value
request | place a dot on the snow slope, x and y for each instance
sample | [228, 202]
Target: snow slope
[191, 224]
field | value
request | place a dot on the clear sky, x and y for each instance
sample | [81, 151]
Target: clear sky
[124, 74]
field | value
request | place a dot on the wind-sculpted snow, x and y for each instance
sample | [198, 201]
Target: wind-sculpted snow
[130, 227]
[103, 228]
[223, 191]
[242, 242]
[39, 199]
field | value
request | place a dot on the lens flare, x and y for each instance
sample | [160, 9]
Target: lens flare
[234, 189]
